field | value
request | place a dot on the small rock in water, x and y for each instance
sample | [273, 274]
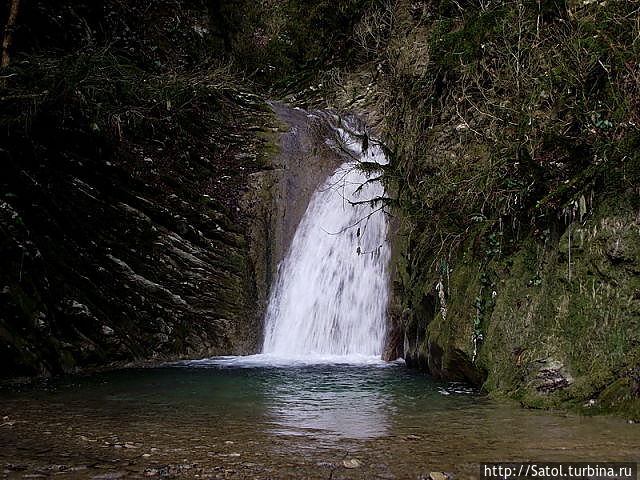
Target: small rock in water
[55, 468]
[352, 463]
[438, 476]
[11, 466]
[77, 469]
[108, 476]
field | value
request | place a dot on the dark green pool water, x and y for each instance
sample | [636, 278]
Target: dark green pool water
[233, 419]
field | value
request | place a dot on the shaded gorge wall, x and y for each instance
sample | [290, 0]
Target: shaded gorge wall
[143, 206]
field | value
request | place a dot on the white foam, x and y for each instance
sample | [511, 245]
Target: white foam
[329, 303]
[273, 360]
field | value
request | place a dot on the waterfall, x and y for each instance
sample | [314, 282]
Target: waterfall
[330, 296]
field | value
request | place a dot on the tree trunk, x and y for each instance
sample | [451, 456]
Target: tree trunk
[8, 32]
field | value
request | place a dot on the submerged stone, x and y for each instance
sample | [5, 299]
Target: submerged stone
[352, 463]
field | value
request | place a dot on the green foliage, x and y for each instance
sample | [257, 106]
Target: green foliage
[163, 35]
[455, 42]
[285, 41]
[292, 39]
[106, 94]
[506, 115]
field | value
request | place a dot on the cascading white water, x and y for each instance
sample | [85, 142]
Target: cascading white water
[331, 294]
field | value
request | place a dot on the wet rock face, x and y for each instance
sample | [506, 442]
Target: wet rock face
[112, 257]
[120, 253]
[122, 237]
[552, 376]
[564, 337]
[99, 267]
[278, 197]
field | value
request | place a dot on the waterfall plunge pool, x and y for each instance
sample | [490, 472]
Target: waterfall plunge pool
[248, 417]
[319, 404]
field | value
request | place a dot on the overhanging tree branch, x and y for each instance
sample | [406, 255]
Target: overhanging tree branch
[8, 32]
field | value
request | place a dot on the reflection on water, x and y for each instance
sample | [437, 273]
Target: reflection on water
[324, 397]
[354, 414]
[334, 404]
[246, 418]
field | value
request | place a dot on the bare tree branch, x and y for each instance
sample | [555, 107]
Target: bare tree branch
[8, 32]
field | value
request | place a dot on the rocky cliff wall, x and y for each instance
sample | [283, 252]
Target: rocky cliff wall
[143, 203]
[120, 253]
[126, 252]
[514, 160]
